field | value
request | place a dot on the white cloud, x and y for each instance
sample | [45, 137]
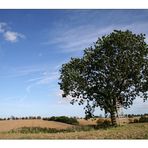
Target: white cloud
[12, 36]
[3, 27]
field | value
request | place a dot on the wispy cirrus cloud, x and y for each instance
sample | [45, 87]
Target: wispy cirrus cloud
[15, 99]
[15, 72]
[73, 39]
[8, 35]
[36, 74]
[78, 38]
[44, 78]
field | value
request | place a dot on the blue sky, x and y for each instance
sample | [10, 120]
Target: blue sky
[35, 43]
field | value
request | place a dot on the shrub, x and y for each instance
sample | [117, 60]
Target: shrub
[136, 120]
[130, 120]
[38, 117]
[53, 118]
[102, 123]
[64, 119]
[106, 124]
[25, 130]
[130, 116]
[143, 119]
[81, 128]
[30, 117]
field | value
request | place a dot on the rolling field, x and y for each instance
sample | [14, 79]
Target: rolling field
[14, 124]
[120, 121]
[132, 131]
[127, 131]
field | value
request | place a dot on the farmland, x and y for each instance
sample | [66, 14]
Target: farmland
[14, 124]
[9, 130]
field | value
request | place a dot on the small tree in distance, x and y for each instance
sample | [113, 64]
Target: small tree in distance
[111, 73]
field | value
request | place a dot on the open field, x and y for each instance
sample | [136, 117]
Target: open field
[127, 131]
[120, 121]
[14, 124]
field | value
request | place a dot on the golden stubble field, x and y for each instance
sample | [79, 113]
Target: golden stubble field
[126, 131]
[14, 124]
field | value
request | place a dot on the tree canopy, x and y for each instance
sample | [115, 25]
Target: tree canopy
[111, 73]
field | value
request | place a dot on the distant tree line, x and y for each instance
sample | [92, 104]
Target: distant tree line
[63, 119]
[67, 119]
[135, 115]
[21, 118]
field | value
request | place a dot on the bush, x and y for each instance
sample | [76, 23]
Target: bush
[63, 119]
[130, 120]
[102, 123]
[26, 130]
[107, 123]
[53, 118]
[143, 119]
[136, 120]
[130, 116]
[38, 117]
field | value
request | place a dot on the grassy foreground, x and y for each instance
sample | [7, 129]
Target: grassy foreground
[129, 131]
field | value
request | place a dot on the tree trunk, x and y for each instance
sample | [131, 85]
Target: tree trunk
[113, 118]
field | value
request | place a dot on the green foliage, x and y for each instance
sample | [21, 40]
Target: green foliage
[112, 71]
[82, 128]
[136, 120]
[38, 117]
[103, 123]
[25, 130]
[128, 131]
[64, 119]
[130, 120]
[143, 119]
[100, 121]
[130, 116]
[31, 130]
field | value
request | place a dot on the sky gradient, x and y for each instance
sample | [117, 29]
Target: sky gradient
[35, 43]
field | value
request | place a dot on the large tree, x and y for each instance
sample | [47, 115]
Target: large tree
[111, 73]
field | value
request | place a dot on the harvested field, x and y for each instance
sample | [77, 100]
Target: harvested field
[129, 131]
[87, 122]
[14, 124]
[120, 121]
[12, 130]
